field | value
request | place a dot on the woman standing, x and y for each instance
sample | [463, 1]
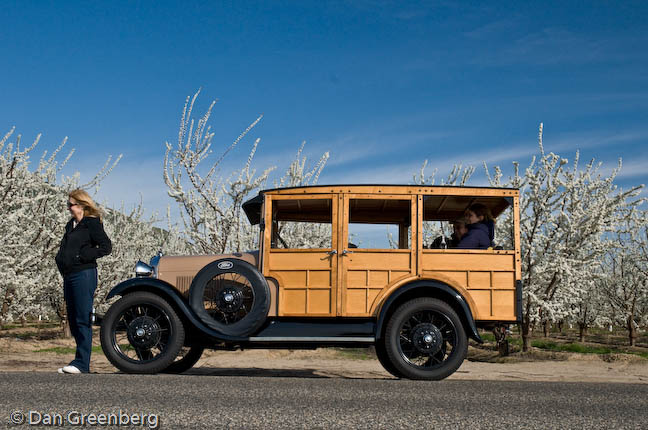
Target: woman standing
[83, 242]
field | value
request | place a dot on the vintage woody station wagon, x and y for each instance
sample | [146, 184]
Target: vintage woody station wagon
[338, 265]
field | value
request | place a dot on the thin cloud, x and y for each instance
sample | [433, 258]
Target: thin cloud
[354, 147]
[555, 45]
[634, 168]
[491, 28]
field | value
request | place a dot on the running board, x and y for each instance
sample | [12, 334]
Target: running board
[313, 339]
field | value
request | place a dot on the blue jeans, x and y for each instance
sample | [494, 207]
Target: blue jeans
[78, 290]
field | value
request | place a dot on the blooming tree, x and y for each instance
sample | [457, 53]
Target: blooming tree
[210, 205]
[565, 213]
[625, 285]
[459, 175]
[32, 213]
[32, 219]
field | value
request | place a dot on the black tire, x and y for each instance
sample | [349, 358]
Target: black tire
[236, 294]
[425, 339]
[141, 333]
[187, 358]
[381, 353]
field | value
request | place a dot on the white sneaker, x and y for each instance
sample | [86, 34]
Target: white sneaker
[69, 369]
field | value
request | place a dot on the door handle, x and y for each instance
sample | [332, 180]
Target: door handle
[346, 251]
[333, 252]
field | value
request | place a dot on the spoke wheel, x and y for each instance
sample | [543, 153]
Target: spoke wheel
[425, 339]
[383, 358]
[141, 333]
[230, 296]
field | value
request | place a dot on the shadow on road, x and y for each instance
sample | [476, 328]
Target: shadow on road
[279, 373]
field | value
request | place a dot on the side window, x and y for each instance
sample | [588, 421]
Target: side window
[445, 222]
[379, 224]
[302, 224]
[439, 214]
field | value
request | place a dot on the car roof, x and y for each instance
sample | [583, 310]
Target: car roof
[445, 202]
[403, 188]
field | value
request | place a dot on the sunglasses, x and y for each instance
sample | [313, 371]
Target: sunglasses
[70, 204]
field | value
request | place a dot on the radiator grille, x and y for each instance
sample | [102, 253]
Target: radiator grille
[183, 283]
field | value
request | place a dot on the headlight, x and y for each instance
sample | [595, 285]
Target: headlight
[143, 269]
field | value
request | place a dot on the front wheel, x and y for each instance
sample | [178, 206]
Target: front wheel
[425, 339]
[141, 333]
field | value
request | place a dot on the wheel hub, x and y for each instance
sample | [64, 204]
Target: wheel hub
[230, 299]
[427, 338]
[144, 332]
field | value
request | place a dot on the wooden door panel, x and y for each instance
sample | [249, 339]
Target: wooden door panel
[365, 273]
[307, 278]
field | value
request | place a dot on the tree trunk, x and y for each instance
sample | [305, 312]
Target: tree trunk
[545, 328]
[582, 331]
[632, 331]
[4, 310]
[65, 327]
[525, 334]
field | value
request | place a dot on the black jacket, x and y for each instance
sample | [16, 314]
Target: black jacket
[82, 245]
[478, 236]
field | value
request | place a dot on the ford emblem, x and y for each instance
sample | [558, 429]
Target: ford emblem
[224, 265]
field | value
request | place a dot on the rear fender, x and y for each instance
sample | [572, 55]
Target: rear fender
[429, 289]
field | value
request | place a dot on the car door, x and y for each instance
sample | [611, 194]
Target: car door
[370, 261]
[301, 252]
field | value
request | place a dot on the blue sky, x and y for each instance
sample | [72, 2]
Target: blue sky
[381, 85]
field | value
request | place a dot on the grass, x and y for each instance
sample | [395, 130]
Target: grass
[567, 346]
[24, 335]
[31, 325]
[489, 337]
[583, 349]
[355, 353]
[67, 350]
[571, 347]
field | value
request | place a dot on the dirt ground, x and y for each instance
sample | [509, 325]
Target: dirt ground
[18, 354]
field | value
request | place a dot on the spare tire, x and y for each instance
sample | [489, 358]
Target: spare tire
[231, 296]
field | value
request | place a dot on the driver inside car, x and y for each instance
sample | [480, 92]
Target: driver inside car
[459, 227]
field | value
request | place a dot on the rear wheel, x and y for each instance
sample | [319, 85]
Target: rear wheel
[425, 339]
[141, 333]
[187, 358]
[383, 358]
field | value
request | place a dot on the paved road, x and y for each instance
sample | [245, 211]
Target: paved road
[266, 400]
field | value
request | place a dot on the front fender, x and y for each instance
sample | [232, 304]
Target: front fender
[453, 298]
[166, 290]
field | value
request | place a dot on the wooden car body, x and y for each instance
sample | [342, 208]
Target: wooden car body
[339, 281]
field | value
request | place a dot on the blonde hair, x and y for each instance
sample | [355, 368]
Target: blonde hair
[90, 208]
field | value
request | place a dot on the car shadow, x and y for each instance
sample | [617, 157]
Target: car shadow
[278, 373]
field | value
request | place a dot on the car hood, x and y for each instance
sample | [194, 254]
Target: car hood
[179, 270]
